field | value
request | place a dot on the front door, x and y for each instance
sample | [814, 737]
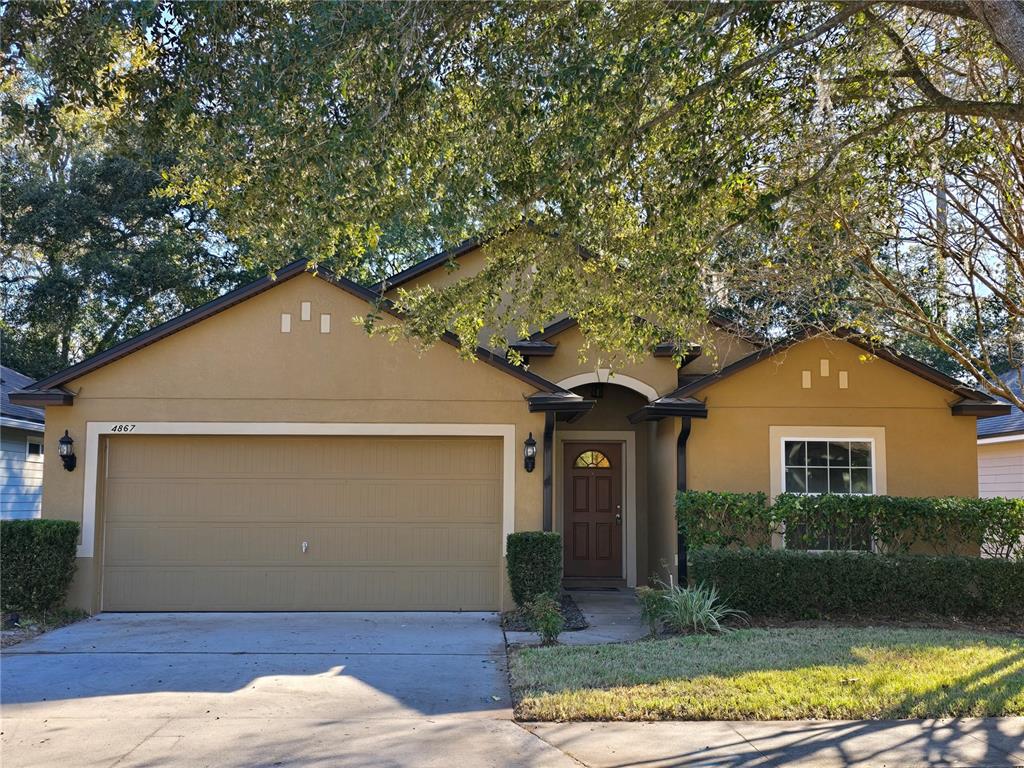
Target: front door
[593, 510]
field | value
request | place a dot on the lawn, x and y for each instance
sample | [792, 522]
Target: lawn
[776, 674]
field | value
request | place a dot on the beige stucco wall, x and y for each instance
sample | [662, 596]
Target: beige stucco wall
[929, 451]
[661, 494]
[239, 366]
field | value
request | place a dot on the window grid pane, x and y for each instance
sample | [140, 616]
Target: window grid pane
[828, 466]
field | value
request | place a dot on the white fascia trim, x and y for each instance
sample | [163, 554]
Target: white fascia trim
[12, 423]
[1001, 439]
[96, 429]
[629, 493]
[606, 376]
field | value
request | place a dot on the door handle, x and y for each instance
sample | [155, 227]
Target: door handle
[618, 518]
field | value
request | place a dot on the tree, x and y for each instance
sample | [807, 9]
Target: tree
[645, 163]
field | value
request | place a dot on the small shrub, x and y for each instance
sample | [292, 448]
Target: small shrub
[544, 613]
[651, 607]
[534, 561]
[813, 585]
[38, 561]
[698, 609]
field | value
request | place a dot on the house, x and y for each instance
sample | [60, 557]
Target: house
[262, 452]
[1001, 449]
[21, 451]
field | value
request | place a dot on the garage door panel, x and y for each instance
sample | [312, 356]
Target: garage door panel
[284, 589]
[297, 457]
[268, 500]
[218, 523]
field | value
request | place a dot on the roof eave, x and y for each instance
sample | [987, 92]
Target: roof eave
[980, 409]
[40, 398]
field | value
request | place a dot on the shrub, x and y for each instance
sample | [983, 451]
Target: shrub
[545, 616]
[813, 585]
[534, 565]
[893, 523]
[651, 607]
[38, 561]
[695, 609]
[709, 518]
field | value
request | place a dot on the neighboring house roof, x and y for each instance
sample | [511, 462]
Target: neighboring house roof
[14, 415]
[1013, 422]
[973, 402]
[51, 389]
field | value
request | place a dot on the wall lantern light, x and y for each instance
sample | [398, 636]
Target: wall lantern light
[529, 453]
[66, 451]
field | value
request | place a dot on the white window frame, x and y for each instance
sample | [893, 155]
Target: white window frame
[778, 435]
[30, 440]
[869, 440]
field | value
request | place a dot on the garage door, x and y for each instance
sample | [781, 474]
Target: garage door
[301, 523]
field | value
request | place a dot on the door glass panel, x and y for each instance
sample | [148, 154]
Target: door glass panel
[592, 460]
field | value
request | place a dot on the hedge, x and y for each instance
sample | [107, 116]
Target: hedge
[813, 585]
[534, 565]
[894, 523]
[38, 561]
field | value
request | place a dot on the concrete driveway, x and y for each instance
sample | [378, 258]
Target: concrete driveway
[279, 689]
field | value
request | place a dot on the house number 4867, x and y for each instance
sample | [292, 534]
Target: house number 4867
[123, 428]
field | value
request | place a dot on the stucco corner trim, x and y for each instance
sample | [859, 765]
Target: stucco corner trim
[606, 376]
[96, 429]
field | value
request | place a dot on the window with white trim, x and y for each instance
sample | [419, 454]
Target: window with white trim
[829, 466]
[33, 449]
[835, 466]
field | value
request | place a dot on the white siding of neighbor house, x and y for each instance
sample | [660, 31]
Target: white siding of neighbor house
[1001, 469]
[21, 480]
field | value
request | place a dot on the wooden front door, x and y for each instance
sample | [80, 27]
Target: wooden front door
[593, 510]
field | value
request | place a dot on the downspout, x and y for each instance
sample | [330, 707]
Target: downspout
[549, 462]
[682, 578]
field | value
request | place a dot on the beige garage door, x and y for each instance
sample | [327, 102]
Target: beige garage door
[301, 523]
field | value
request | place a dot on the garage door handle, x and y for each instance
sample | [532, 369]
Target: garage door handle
[305, 547]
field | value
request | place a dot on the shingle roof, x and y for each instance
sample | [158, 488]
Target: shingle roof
[1011, 423]
[11, 381]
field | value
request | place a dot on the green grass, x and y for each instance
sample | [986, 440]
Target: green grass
[776, 674]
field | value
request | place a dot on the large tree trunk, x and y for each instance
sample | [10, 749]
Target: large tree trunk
[1005, 22]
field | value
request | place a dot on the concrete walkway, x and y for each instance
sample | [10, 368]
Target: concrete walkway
[613, 616]
[822, 744]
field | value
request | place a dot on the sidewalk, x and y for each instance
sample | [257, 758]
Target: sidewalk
[822, 744]
[613, 616]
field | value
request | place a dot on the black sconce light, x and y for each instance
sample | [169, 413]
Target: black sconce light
[66, 451]
[529, 453]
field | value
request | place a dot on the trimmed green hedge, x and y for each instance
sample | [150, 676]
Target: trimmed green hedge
[895, 523]
[814, 585]
[38, 562]
[534, 565]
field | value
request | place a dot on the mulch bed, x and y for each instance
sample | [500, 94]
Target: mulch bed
[515, 621]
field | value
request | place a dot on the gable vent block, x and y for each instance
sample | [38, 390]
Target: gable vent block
[286, 323]
[307, 309]
[824, 366]
[844, 380]
[325, 323]
[805, 380]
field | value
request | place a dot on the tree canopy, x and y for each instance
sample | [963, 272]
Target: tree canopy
[638, 165]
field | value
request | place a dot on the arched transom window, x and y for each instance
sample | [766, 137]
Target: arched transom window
[592, 460]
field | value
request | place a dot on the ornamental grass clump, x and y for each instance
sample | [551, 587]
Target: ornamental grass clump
[698, 609]
[694, 610]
